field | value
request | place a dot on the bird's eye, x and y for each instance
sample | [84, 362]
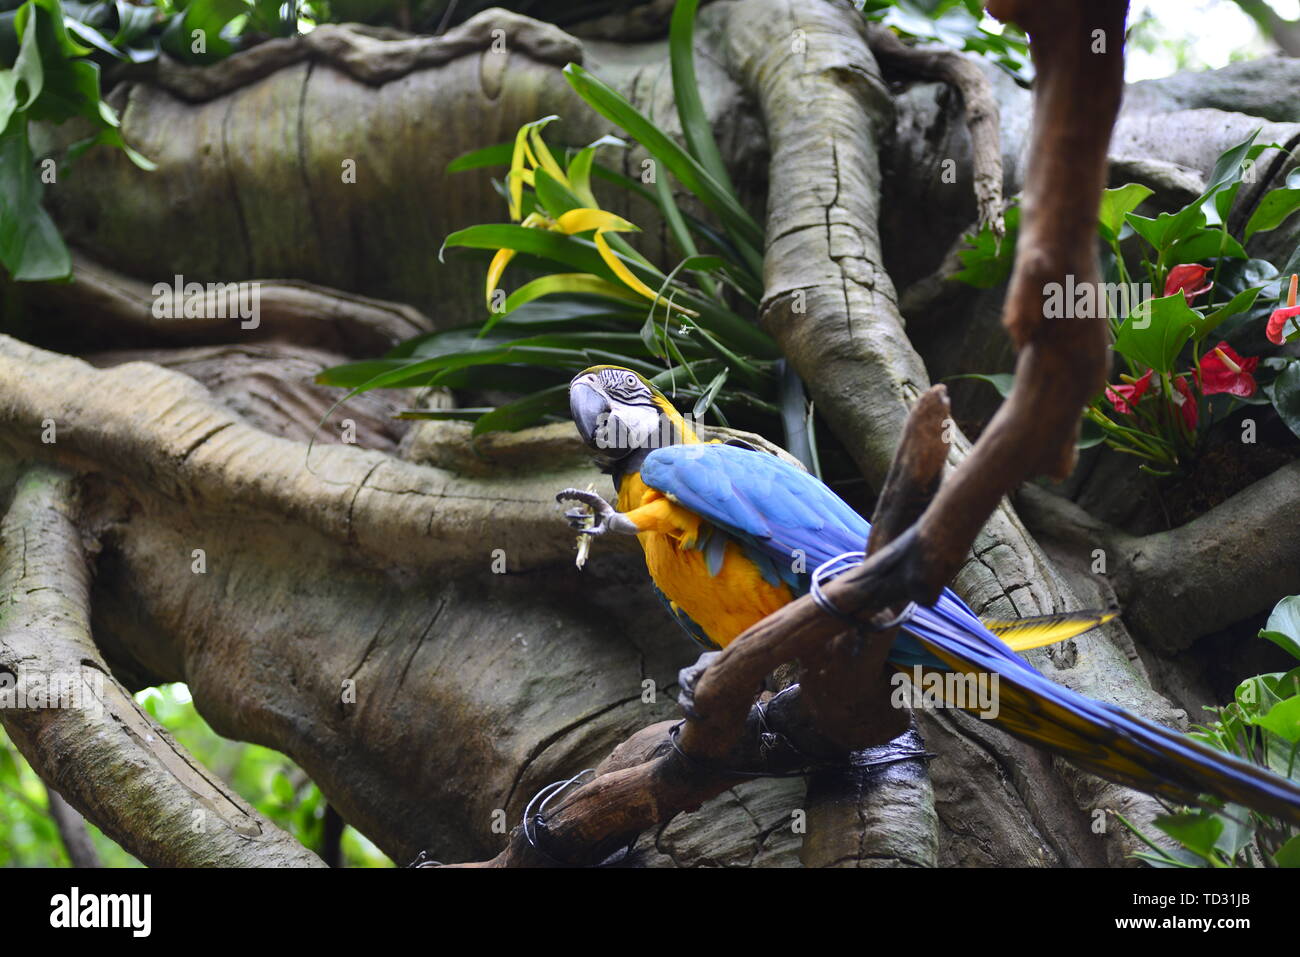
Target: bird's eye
[631, 382]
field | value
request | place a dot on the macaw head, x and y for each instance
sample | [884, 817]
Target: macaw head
[619, 412]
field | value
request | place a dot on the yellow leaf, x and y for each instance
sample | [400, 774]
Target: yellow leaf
[519, 170]
[581, 220]
[495, 269]
[543, 157]
[625, 274]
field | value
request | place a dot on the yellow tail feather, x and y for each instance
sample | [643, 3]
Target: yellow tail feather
[1025, 633]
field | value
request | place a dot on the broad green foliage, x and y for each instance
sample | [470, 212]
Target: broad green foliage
[49, 76]
[265, 778]
[1180, 318]
[1261, 724]
[52, 53]
[587, 296]
[961, 24]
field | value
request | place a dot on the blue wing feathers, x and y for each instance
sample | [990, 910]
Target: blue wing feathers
[773, 509]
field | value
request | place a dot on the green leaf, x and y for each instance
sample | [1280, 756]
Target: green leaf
[50, 14]
[987, 262]
[1288, 855]
[1156, 331]
[686, 92]
[1205, 244]
[610, 104]
[1283, 627]
[208, 18]
[27, 68]
[747, 278]
[8, 96]
[133, 22]
[1237, 304]
[111, 136]
[1283, 719]
[560, 282]
[1273, 210]
[579, 254]
[92, 36]
[72, 89]
[1116, 204]
[524, 412]
[1256, 695]
[499, 155]
[705, 402]
[1225, 179]
[1218, 205]
[1002, 381]
[1090, 434]
[554, 196]
[1284, 391]
[1196, 831]
[1230, 165]
[349, 375]
[1167, 228]
[30, 245]
[579, 168]
[1237, 830]
[406, 373]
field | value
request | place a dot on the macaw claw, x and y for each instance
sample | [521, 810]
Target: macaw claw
[601, 518]
[688, 678]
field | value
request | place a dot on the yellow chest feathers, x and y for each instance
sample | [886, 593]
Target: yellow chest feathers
[725, 604]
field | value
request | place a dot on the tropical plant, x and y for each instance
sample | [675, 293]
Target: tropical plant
[1181, 369]
[1261, 724]
[49, 77]
[959, 24]
[595, 298]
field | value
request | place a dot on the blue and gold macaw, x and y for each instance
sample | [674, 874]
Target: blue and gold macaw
[730, 535]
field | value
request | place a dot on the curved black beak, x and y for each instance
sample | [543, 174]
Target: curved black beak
[588, 407]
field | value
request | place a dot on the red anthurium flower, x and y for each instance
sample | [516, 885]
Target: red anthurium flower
[1278, 320]
[1222, 370]
[1188, 278]
[1185, 399]
[1124, 397]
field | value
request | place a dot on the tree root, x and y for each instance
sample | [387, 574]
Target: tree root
[112, 762]
[1179, 585]
[366, 54]
[298, 312]
[968, 78]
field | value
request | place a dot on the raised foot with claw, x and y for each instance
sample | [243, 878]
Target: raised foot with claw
[602, 517]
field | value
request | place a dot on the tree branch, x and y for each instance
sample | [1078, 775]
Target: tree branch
[966, 76]
[1179, 585]
[93, 743]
